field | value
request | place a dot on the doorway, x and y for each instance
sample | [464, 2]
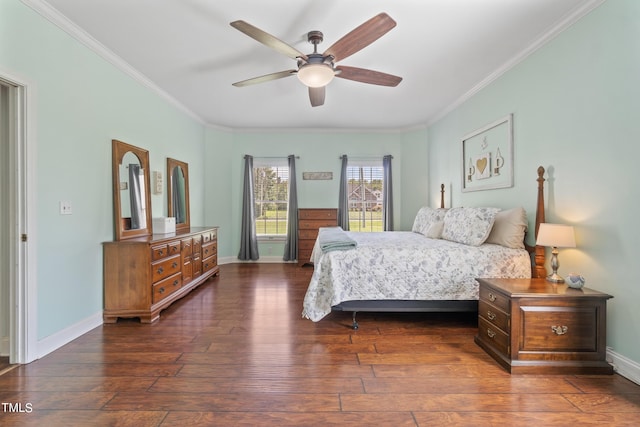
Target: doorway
[17, 289]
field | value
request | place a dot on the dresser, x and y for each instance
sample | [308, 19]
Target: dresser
[309, 221]
[144, 275]
[532, 326]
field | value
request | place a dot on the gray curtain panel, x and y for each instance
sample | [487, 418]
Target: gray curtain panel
[135, 198]
[387, 194]
[248, 238]
[178, 196]
[291, 247]
[343, 201]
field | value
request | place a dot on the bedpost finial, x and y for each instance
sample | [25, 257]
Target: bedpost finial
[540, 171]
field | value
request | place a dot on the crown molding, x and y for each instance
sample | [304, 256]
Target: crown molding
[54, 16]
[564, 23]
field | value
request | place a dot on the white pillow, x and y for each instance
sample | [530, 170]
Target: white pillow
[470, 226]
[509, 228]
[435, 230]
[425, 217]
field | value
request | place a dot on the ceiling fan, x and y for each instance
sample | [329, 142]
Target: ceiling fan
[316, 70]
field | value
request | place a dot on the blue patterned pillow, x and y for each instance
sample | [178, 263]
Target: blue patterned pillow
[470, 226]
[426, 217]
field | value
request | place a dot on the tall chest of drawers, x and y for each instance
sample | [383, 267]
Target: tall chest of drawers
[143, 276]
[309, 221]
[532, 326]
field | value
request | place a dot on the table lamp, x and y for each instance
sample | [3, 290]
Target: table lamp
[556, 236]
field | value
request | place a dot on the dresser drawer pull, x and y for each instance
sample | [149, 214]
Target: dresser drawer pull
[492, 297]
[160, 252]
[174, 265]
[174, 248]
[491, 315]
[160, 270]
[161, 290]
[559, 330]
[490, 333]
[175, 282]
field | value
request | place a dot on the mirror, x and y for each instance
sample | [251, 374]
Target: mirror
[178, 193]
[131, 191]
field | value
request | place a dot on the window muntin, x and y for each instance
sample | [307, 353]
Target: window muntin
[365, 183]
[271, 199]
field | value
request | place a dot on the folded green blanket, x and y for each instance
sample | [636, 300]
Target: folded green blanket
[334, 239]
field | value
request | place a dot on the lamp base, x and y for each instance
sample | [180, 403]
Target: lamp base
[555, 278]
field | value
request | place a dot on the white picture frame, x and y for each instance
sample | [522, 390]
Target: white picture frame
[487, 156]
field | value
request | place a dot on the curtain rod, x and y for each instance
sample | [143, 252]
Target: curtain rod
[269, 157]
[364, 157]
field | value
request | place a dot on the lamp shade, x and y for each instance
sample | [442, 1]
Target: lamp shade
[316, 75]
[556, 235]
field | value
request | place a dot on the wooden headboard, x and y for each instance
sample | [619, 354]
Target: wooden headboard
[538, 269]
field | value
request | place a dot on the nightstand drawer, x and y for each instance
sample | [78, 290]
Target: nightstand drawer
[497, 299]
[496, 317]
[548, 328]
[494, 336]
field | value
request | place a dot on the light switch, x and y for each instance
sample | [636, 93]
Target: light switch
[158, 182]
[65, 208]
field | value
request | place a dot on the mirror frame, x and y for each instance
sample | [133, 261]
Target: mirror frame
[171, 165]
[119, 149]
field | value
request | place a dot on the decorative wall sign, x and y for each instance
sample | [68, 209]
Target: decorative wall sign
[317, 175]
[487, 157]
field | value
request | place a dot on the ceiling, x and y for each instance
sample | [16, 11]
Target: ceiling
[445, 50]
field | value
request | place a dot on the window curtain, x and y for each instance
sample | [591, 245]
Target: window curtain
[343, 201]
[248, 238]
[138, 220]
[387, 194]
[178, 196]
[291, 246]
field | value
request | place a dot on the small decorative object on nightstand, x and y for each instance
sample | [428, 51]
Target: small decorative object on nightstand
[531, 326]
[575, 281]
[556, 236]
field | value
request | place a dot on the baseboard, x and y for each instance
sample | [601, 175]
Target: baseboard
[263, 260]
[4, 346]
[624, 366]
[65, 336]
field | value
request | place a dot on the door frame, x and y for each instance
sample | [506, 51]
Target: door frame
[23, 313]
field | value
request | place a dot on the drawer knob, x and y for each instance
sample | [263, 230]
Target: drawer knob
[491, 315]
[161, 290]
[492, 297]
[490, 333]
[559, 330]
[160, 252]
[160, 270]
[174, 265]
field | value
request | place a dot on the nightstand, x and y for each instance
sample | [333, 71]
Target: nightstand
[531, 326]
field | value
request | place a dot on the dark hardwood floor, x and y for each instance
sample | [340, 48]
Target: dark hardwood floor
[237, 352]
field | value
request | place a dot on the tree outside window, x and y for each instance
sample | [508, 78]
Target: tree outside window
[271, 186]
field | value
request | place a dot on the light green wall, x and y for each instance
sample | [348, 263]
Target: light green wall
[318, 151]
[575, 104]
[81, 104]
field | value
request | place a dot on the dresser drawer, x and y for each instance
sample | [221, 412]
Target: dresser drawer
[187, 247]
[210, 236]
[308, 234]
[209, 249]
[315, 223]
[165, 268]
[166, 287]
[209, 264]
[304, 255]
[318, 214]
[494, 316]
[497, 299]
[549, 328]
[494, 336]
[306, 245]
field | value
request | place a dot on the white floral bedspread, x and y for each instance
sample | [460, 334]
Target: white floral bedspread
[406, 266]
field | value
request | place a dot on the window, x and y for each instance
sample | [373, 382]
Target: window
[270, 191]
[364, 189]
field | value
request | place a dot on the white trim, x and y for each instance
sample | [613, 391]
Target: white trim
[65, 336]
[55, 17]
[624, 366]
[539, 42]
[23, 292]
[4, 346]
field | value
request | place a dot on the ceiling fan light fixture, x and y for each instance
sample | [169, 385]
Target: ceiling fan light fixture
[315, 75]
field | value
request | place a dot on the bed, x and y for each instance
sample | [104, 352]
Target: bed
[432, 268]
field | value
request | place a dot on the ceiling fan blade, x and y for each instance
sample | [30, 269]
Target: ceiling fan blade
[367, 76]
[265, 78]
[316, 96]
[268, 40]
[361, 37]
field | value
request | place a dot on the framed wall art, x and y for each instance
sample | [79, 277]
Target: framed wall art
[487, 156]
